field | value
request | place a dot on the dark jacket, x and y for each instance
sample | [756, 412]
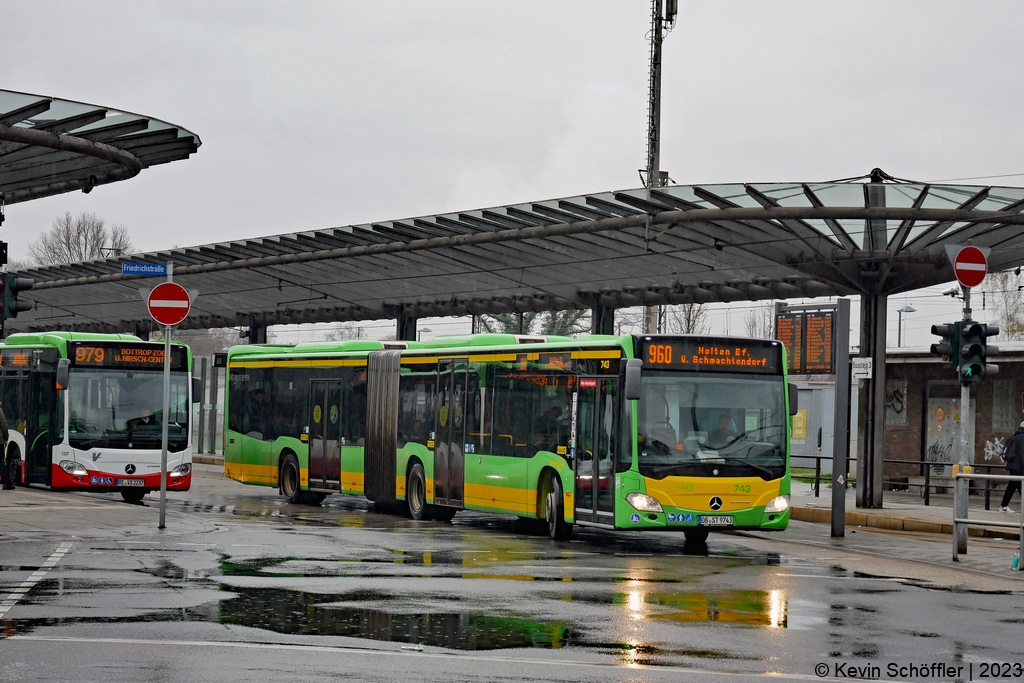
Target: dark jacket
[1014, 453]
[3, 428]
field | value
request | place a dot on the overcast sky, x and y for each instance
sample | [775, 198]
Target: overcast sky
[319, 114]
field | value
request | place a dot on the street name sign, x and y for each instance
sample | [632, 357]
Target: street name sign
[144, 269]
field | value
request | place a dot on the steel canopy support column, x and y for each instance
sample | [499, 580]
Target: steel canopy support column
[405, 329]
[257, 332]
[871, 407]
[602, 320]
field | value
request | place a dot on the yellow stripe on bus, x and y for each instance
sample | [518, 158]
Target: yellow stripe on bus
[597, 354]
[330, 363]
[501, 498]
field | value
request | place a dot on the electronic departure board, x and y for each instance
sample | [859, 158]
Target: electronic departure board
[125, 355]
[810, 341]
[711, 355]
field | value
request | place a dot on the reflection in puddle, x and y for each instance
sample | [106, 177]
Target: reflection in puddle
[750, 607]
[300, 613]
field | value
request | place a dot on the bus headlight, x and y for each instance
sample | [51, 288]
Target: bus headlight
[73, 468]
[643, 502]
[181, 470]
[777, 504]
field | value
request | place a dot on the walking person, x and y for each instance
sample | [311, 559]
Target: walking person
[1013, 456]
[5, 475]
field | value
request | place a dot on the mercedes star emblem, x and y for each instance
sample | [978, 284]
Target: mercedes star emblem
[130, 469]
[716, 503]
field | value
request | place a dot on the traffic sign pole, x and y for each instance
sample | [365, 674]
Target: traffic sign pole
[167, 410]
[965, 423]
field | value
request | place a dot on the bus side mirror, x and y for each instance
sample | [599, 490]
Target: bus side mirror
[63, 368]
[793, 396]
[632, 388]
[197, 389]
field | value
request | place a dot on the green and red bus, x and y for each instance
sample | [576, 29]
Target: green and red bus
[85, 412]
[663, 432]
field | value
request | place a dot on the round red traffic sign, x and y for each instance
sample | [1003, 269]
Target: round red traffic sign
[169, 303]
[970, 266]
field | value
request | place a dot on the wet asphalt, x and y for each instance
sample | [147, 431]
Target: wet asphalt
[244, 587]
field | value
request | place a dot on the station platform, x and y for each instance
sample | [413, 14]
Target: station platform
[905, 511]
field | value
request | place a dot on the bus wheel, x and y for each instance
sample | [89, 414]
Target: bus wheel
[133, 496]
[289, 478]
[443, 513]
[313, 497]
[416, 492]
[696, 535]
[554, 512]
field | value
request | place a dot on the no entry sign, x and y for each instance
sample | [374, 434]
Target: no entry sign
[169, 303]
[970, 266]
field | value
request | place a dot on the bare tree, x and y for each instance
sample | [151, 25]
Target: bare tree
[344, 332]
[689, 318]
[203, 342]
[80, 238]
[562, 323]
[14, 265]
[759, 321]
[1008, 299]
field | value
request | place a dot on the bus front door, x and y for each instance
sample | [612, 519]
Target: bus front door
[325, 435]
[595, 421]
[449, 454]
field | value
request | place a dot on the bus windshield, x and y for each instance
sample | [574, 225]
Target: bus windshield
[124, 409]
[711, 425]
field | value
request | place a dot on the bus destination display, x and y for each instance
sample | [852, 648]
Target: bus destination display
[125, 356]
[710, 356]
[809, 340]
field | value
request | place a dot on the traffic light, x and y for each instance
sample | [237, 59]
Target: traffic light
[974, 351]
[14, 285]
[949, 347]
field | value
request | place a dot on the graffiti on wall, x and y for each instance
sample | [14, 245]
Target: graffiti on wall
[994, 449]
[896, 402]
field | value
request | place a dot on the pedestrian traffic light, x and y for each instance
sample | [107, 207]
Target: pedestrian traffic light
[973, 351]
[14, 285]
[949, 347]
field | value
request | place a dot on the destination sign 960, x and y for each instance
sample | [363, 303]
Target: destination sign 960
[710, 355]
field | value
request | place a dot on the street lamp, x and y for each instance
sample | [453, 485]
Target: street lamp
[899, 334]
[419, 335]
[626, 320]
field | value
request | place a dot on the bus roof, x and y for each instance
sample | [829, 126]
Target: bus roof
[445, 342]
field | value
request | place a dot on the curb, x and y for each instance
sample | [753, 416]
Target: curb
[882, 521]
[208, 459]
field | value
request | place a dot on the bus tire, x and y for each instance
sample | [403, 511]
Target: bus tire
[133, 496]
[313, 497]
[696, 535]
[291, 487]
[442, 513]
[554, 511]
[416, 492]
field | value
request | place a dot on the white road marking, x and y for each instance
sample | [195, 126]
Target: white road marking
[776, 675]
[35, 578]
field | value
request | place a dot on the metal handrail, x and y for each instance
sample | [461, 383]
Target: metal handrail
[967, 522]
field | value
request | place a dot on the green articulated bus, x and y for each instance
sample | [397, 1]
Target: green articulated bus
[662, 432]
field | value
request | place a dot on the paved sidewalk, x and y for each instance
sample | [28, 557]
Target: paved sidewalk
[905, 511]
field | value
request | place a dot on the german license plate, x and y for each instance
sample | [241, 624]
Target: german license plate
[719, 520]
[131, 482]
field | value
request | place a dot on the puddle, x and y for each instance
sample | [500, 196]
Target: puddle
[299, 613]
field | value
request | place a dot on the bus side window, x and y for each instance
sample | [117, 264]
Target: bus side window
[237, 400]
